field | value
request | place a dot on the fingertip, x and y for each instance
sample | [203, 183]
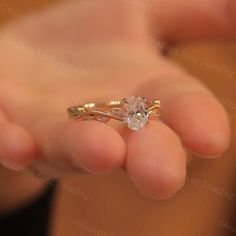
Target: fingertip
[214, 146]
[156, 161]
[162, 185]
[201, 122]
[94, 146]
[16, 147]
[211, 140]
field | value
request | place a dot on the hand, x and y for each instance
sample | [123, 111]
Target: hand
[78, 52]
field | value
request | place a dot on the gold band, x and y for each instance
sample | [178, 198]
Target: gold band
[112, 110]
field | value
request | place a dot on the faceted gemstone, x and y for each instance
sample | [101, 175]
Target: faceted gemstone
[135, 114]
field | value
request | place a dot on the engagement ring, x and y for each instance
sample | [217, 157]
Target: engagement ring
[133, 111]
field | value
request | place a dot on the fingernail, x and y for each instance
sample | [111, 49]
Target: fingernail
[75, 162]
[216, 144]
[79, 168]
[7, 163]
[207, 156]
[219, 143]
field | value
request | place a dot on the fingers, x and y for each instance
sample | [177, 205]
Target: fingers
[185, 20]
[156, 161]
[192, 112]
[17, 149]
[201, 122]
[70, 145]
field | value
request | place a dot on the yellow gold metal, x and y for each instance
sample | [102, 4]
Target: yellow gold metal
[109, 110]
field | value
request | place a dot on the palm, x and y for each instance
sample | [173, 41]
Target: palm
[101, 60]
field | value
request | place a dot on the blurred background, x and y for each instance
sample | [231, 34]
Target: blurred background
[110, 206]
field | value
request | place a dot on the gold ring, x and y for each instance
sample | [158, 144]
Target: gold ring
[133, 111]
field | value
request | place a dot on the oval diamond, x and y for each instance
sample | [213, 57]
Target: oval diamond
[135, 114]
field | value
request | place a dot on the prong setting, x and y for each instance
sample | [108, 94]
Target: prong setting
[133, 111]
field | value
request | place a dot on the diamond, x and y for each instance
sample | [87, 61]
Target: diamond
[135, 115]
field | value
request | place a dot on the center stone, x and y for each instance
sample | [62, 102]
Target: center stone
[135, 114]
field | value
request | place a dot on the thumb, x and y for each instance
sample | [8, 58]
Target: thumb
[186, 20]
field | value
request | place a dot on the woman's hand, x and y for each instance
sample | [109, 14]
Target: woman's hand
[103, 50]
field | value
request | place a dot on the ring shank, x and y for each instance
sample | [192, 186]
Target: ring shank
[93, 110]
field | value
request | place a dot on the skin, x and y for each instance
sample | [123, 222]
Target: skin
[78, 52]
